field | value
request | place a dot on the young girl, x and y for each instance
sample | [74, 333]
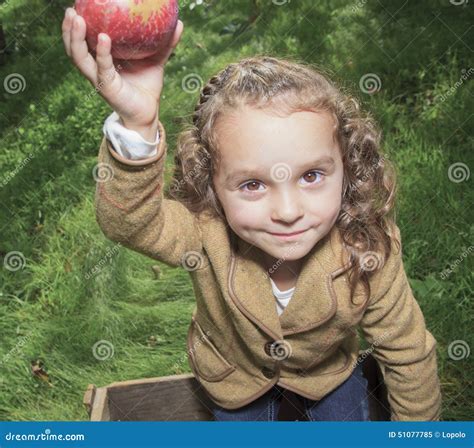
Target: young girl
[280, 210]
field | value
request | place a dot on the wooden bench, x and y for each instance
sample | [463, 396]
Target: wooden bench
[182, 398]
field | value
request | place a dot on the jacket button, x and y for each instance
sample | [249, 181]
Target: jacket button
[268, 348]
[268, 373]
[277, 350]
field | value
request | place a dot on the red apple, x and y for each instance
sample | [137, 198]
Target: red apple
[138, 28]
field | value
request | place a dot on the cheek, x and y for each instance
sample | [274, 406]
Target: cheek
[324, 208]
[243, 214]
[325, 204]
[334, 206]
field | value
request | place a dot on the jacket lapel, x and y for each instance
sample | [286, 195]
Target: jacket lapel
[314, 301]
[251, 291]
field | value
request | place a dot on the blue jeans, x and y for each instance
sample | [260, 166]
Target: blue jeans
[348, 402]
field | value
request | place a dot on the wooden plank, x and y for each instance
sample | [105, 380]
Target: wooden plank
[88, 399]
[181, 398]
[172, 398]
[168, 378]
[100, 405]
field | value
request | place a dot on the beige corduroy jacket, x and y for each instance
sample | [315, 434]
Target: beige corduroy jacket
[238, 346]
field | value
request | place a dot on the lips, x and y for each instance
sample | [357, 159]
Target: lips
[288, 234]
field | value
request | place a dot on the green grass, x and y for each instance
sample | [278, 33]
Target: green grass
[52, 311]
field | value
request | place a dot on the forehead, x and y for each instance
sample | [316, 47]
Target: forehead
[260, 137]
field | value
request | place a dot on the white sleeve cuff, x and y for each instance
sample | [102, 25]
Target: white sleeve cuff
[129, 144]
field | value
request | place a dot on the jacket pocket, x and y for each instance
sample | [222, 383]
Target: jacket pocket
[337, 362]
[207, 361]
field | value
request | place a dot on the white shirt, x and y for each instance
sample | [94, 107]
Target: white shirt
[131, 145]
[282, 297]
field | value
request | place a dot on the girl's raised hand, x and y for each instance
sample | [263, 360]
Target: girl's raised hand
[132, 88]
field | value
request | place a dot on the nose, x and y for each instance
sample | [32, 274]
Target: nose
[287, 206]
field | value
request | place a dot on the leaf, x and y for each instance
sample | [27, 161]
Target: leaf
[38, 371]
[157, 271]
[151, 341]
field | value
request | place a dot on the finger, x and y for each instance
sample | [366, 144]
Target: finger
[106, 72]
[66, 29]
[79, 51]
[178, 32]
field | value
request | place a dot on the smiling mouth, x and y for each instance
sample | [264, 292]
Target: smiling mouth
[288, 234]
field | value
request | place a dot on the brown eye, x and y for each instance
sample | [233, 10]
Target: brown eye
[253, 184]
[311, 176]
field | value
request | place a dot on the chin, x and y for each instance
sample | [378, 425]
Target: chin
[290, 251]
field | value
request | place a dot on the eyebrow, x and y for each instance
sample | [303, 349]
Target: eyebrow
[326, 161]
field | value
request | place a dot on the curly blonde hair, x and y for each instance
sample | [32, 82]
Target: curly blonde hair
[369, 186]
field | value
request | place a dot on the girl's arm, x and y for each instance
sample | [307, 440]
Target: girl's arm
[131, 209]
[406, 351]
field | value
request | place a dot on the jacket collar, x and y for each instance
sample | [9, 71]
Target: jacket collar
[314, 301]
